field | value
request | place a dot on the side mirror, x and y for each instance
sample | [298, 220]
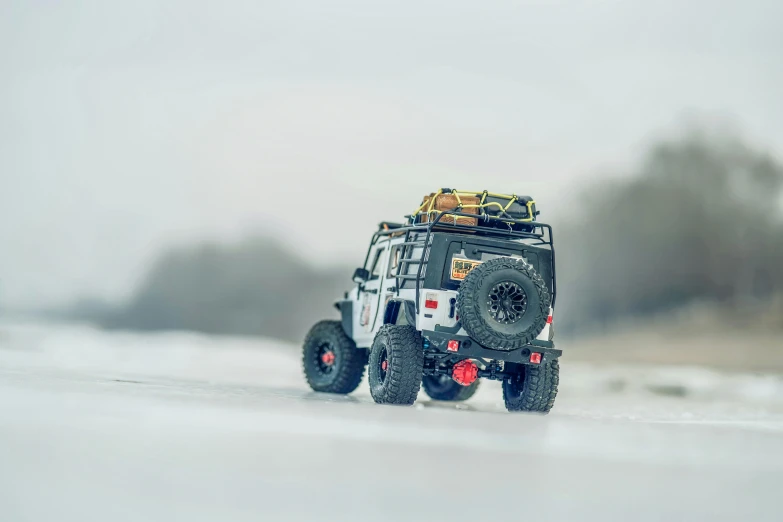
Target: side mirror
[361, 275]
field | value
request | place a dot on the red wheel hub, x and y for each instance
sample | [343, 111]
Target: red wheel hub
[384, 365]
[328, 358]
[465, 372]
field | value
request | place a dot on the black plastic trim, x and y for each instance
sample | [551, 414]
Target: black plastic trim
[346, 313]
[393, 308]
[448, 329]
[392, 311]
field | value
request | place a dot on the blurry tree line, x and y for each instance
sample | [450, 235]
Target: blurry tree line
[699, 221]
[256, 287]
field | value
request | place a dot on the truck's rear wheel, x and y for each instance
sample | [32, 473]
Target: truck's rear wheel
[332, 363]
[503, 303]
[395, 365]
[533, 388]
[444, 388]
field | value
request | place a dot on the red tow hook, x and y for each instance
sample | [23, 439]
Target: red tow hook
[465, 372]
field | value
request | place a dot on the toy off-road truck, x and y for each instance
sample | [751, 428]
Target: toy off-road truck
[465, 289]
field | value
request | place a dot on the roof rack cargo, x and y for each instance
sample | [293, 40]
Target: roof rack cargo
[387, 225]
[484, 208]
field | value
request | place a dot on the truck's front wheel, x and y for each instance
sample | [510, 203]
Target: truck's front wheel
[332, 363]
[395, 366]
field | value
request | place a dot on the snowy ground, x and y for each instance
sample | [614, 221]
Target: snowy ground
[108, 426]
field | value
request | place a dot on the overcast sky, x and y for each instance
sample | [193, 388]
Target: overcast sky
[125, 126]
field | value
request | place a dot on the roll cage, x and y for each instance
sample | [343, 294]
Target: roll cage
[539, 235]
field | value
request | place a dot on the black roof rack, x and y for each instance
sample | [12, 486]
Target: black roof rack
[533, 229]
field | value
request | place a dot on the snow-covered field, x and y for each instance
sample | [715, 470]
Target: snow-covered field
[179, 426]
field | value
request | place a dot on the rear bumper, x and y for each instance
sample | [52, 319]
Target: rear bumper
[438, 341]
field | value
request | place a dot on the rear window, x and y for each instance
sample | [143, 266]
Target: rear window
[462, 257]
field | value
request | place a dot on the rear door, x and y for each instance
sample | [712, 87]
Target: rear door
[457, 255]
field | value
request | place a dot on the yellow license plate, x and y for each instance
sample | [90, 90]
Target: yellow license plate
[461, 267]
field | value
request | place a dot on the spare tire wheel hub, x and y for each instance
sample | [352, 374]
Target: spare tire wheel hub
[507, 302]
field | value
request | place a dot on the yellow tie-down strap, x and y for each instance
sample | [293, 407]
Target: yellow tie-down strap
[481, 206]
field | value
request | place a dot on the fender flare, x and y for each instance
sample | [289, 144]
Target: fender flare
[346, 315]
[392, 313]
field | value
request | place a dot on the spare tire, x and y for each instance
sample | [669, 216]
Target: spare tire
[503, 303]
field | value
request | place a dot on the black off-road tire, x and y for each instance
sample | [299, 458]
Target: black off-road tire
[533, 389]
[401, 347]
[442, 390]
[346, 372]
[474, 310]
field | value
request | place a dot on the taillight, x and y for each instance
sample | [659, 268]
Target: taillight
[453, 346]
[535, 358]
[431, 301]
[549, 320]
